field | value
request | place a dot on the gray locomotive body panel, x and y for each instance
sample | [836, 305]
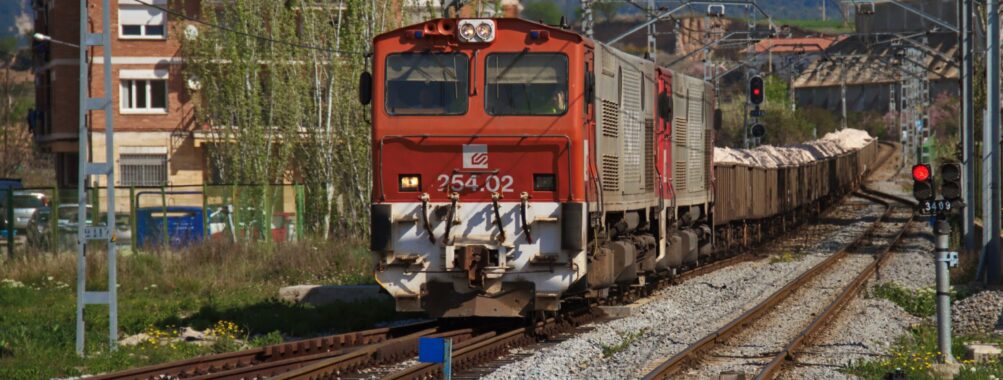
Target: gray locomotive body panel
[692, 145]
[624, 99]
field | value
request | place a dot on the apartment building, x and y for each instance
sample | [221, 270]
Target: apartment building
[154, 140]
[157, 141]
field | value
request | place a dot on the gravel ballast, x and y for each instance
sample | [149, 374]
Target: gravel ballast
[868, 327]
[680, 315]
[977, 314]
[751, 350]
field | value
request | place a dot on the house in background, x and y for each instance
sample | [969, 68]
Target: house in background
[873, 62]
[153, 117]
[787, 57]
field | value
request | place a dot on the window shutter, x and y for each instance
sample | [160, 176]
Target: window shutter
[139, 15]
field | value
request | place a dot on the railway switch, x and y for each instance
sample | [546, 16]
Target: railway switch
[922, 187]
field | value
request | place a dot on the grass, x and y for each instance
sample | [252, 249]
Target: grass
[214, 285]
[915, 353]
[786, 257]
[628, 339]
[918, 302]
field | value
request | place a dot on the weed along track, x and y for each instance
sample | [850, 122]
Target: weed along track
[768, 336]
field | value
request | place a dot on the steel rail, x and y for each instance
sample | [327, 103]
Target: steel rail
[241, 359]
[391, 351]
[818, 324]
[470, 354]
[682, 359]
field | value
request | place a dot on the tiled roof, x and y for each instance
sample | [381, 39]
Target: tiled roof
[867, 61]
[794, 45]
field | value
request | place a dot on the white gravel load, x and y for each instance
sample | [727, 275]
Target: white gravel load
[832, 144]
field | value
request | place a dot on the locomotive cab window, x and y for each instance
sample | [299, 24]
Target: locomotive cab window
[526, 84]
[426, 84]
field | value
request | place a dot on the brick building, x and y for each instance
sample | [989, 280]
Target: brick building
[153, 118]
[156, 137]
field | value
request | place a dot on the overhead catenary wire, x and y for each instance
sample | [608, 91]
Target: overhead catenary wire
[246, 34]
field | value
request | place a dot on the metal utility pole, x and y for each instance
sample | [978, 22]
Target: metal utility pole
[587, 20]
[967, 125]
[652, 43]
[944, 259]
[86, 169]
[842, 90]
[991, 151]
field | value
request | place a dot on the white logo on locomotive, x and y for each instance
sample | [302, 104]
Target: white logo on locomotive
[475, 156]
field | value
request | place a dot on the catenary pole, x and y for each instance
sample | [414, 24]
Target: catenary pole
[967, 125]
[990, 148]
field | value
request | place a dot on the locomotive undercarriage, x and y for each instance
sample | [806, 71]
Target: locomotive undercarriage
[687, 247]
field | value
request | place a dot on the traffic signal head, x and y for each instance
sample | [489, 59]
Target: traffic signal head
[757, 90]
[950, 176]
[758, 130]
[922, 186]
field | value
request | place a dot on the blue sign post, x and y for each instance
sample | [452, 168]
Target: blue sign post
[437, 350]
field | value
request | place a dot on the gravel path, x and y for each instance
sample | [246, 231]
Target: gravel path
[680, 315]
[749, 351]
[868, 327]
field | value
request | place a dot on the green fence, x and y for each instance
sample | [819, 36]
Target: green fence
[45, 219]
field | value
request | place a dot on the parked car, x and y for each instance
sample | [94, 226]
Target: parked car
[39, 228]
[25, 204]
[67, 221]
[123, 227]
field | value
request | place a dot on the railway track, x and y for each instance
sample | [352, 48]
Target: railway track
[727, 348]
[274, 356]
[389, 353]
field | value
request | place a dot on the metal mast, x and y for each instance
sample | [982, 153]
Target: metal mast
[967, 125]
[86, 169]
[991, 150]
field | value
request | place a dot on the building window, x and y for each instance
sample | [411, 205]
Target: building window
[144, 95]
[143, 169]
[141, 21]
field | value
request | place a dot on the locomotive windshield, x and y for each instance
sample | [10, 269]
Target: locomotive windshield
[526, 84]
[426, 84]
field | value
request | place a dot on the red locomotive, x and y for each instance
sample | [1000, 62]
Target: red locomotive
[516, 165]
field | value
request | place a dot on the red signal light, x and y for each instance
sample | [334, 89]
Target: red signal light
[755, 91]
[920, 172]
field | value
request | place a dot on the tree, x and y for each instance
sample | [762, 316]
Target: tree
[277, 92]
[546, 11]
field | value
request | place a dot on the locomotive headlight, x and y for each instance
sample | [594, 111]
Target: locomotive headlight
[485, 31]
[467, 32]
[410, 183]
[477, 30]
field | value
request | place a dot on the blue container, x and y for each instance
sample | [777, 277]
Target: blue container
[184, 226]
